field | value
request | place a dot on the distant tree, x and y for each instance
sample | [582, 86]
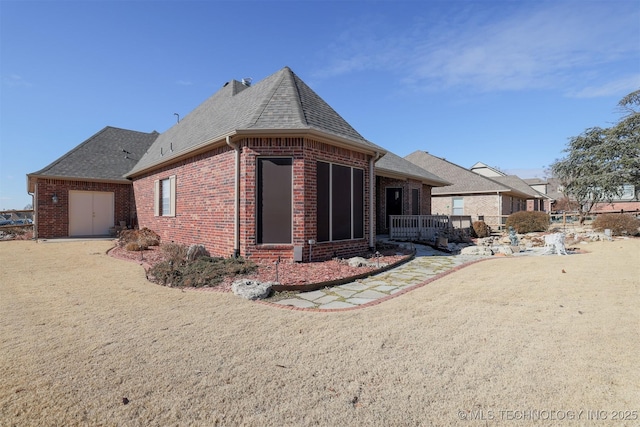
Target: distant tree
[601, 161]
[29, 206]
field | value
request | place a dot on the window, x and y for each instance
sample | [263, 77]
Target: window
[458, 206]
[415, 202]
[274, 201]
[340, 202]
[165, 197]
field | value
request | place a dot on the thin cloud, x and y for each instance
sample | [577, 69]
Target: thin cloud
[184, 83]
[564, 45]
[623, 85]
[15, 80]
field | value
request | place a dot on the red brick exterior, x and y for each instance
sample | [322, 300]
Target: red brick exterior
[382, 183]
[205, 203]
[52, 219]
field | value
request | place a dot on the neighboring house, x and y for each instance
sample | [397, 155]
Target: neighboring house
[537, 201]
[626, 202]
[403, 188]
[471, 193]
[84, 192]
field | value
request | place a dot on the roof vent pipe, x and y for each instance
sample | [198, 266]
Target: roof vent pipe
[246, 81]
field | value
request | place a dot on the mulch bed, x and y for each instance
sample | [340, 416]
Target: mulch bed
[290, 275]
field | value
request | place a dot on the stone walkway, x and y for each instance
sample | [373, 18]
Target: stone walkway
[427, 264]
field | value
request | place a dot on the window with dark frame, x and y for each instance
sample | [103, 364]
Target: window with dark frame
[274, 194]
[340, 202]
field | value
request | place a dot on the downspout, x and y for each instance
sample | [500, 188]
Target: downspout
[34, 207]
[236, 214]
[372, 207]
[499, 211]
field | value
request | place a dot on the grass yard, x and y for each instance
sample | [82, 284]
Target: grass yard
[85, 339]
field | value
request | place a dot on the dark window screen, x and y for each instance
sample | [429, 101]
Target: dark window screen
[274, 194]
[415, 202]
[341, 202]
[322, 176]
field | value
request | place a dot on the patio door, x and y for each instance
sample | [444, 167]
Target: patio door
[90, 213]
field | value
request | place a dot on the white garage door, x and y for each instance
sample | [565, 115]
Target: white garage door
[90, 213]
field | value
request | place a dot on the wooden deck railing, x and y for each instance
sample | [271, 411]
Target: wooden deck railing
[424, 227]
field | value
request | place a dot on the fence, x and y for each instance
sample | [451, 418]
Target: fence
[16, 218]
[425, 227]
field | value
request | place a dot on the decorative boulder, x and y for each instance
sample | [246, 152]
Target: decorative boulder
[196, 251]
[251, 289]
[476, 250]
[358, 262]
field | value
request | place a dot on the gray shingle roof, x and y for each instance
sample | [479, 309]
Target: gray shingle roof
[393, 165]
[463, 180]
[281, 101]
[107, 155]
[517, 183]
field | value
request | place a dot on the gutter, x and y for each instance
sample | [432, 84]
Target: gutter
[236, 214]
[372, 208]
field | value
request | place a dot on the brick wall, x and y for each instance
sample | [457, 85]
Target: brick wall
[382, 183]
[205, 199]
[52, 219]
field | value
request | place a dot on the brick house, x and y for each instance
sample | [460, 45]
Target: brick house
[266, 171]
[490, 199]
[262, 171]
[536, 189]
[402, 188]
[84, 192]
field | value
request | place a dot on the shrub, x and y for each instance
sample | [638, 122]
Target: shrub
[204, 271]
[481, 229]
[619, 224]
[174, 252]
[138, 240]
[528, 221]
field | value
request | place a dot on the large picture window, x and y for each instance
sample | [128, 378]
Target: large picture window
[340, 202]
[274, 205]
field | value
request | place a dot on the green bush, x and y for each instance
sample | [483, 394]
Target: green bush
[204, 271]
[528, 221]
[619, 224]
[481, 229]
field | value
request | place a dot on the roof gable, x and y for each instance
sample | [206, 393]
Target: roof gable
[280, 102]
[518, 184]
[395, 166]
[107, 155]
[463, 180]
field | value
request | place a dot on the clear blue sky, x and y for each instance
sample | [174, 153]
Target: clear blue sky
[501, 82]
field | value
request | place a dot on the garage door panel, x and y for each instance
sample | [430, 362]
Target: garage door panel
[102, 213]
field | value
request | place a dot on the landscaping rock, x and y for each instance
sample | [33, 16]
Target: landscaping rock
[251, 289]
[476, 250]
[359, 262]
[196, 251]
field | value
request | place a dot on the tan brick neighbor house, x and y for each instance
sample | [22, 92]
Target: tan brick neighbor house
[481, 197]
[262, 171]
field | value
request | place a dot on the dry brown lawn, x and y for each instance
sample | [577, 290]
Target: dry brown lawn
[86, 340]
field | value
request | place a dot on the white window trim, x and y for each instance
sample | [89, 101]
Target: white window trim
[157, 202]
